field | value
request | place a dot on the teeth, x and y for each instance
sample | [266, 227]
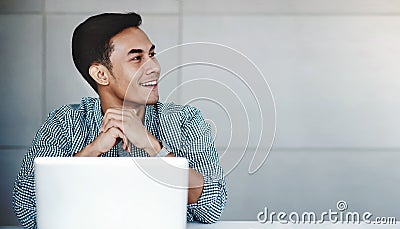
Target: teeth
[151, 83]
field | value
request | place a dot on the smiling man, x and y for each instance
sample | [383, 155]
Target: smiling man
[118, 60]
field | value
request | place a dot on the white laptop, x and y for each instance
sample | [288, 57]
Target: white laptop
[104, 192]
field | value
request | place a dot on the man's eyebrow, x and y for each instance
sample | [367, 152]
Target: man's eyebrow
[133, 51]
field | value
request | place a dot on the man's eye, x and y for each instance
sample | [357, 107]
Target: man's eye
[152, 54]
[136, 58]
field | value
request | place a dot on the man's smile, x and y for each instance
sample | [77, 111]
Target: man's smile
[151, 83]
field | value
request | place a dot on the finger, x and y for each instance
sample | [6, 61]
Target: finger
[108, 119]
[126, 147]
[117, 133]
[125, 140]
[113, 110]
[127, 143]
[121, 112]
[130, 147]
[134, 111]
[122, 120]
[112, 123]
[116, 115]
[123, 144]
[111, 113]
[118, 111]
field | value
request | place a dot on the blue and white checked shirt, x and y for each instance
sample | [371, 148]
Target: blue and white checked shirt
[70, 128]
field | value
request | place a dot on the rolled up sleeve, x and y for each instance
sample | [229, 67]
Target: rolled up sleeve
[199, 148]
[49, 142]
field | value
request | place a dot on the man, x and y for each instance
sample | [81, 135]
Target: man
[118, 60]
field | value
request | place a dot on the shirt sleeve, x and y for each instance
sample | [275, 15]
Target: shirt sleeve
[201, 153]
[49, 141]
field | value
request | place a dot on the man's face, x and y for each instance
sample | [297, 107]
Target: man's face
[135, 70]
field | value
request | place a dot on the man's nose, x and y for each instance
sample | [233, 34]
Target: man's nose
[152, 66]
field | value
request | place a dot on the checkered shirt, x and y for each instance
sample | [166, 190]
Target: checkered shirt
[69, 129]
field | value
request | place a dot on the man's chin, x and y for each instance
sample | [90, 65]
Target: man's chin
[152, 101]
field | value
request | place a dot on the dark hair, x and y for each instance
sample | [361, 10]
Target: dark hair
[91, 40]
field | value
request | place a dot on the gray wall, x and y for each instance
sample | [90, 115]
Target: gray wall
[331, 65]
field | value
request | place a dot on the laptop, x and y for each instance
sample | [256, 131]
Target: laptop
[105, 192]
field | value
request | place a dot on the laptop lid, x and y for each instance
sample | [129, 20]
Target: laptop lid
[106, 192]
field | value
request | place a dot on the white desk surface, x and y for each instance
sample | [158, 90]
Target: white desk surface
[256, 225]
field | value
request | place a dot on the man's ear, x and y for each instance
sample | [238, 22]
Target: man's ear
[100, 74]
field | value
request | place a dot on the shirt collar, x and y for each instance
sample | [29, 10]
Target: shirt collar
[98, 115]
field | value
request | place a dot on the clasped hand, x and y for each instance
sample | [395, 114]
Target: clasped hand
[125, 124]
